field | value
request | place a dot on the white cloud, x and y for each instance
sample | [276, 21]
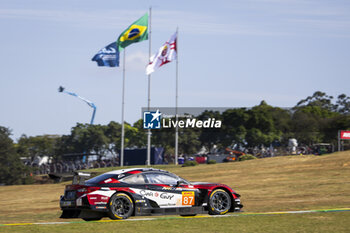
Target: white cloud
[189, 22]
[105, 19]
[280, 19]
[136, 61]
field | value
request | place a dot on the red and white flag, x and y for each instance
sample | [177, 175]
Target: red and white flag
[166, 53]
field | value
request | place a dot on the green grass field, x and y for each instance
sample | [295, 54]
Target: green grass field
[319, 222]
[271, 184]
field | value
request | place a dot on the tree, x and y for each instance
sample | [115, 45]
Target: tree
[139, 139]
[310, 123]
[319, 99]
[343, 104]
[87, 138]
[113, 134]
[210, 137]
[63, 146]
[97, 140]
[234, 126]
[164, 138]
[188, 141]
[37, 146]
[12, 170]
[260, 126]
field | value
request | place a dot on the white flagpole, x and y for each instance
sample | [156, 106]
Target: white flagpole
[123, 93]
[149, 133]
[176, 99]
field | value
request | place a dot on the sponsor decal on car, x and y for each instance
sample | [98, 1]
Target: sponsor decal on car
[163, 199]
[171, 188]
[140, 201]
[101, 203]
[167, 204]
[166, 196]
[188, 198]
[146, 193]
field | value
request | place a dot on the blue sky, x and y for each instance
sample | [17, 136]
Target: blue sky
[231, 54]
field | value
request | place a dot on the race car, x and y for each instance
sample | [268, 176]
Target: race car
[144, 191]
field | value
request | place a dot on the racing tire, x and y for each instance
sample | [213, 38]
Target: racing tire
[120, 206]
[91, 219]
[219, 202]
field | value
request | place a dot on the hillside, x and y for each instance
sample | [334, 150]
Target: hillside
[270, 184]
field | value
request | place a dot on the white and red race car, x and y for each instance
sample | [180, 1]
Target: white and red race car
[144, 191]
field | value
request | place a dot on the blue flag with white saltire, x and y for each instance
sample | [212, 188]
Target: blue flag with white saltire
[108, 56]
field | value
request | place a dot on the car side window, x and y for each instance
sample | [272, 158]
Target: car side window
[134, 179]
[157, 178]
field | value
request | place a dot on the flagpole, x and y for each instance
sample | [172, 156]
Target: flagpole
[123, 93]
[149, 133]
[176, 99]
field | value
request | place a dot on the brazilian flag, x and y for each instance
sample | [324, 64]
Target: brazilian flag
[136, 32]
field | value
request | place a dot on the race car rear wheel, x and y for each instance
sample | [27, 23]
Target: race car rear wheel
[219, 202]
[120, 206]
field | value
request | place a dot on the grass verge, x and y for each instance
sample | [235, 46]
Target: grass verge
[270, 184]
[315, 222]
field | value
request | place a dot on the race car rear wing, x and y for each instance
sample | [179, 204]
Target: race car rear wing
[80, 177]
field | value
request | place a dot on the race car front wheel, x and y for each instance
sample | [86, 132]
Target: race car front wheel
[120, 206]
[219, 202]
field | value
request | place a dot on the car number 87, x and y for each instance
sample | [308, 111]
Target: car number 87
[187, 198]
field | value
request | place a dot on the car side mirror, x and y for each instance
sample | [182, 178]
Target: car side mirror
[179, 182]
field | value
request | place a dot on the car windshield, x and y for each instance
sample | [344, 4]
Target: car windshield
[99, 178]
[183, 180]
[161, 178]
[134, 179]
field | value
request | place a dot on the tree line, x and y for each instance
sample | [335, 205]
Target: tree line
[314, 119]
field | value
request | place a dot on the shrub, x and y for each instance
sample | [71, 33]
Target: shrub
[189, 163]
[246, 157]
[212, 161]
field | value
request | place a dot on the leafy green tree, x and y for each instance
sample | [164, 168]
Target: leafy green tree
[255, 137]
[139, 139]
[319, 99]
[12, 170]
[63, 146]
[97, 140]
[164, 138]
[210, 137]
[260, 126]
[310, 123]
[113, 134]
[37, 146]
[234, 126]
[188, 141]
[86, 138]
[343, 104]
